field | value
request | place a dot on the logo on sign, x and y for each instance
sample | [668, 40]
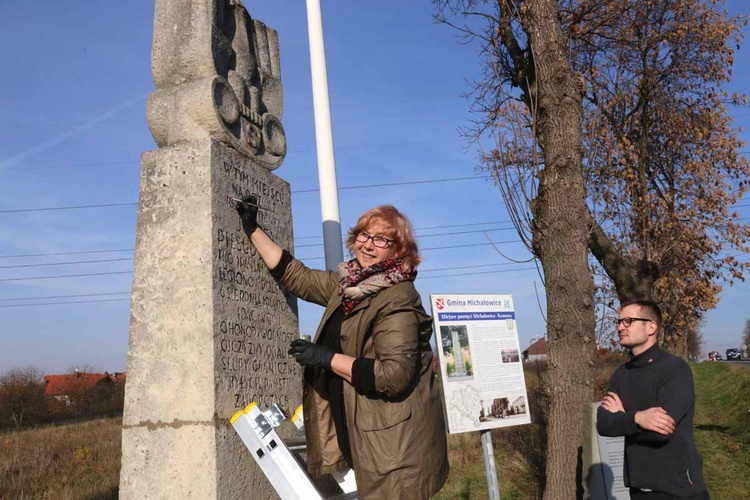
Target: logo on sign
[440, 304]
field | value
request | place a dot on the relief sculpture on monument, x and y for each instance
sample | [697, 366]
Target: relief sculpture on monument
[217, 75]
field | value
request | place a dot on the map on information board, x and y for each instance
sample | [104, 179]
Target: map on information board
[480, 362]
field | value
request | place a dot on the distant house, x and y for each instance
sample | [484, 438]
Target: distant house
[518, 405]
[537, 351]
[71, 386]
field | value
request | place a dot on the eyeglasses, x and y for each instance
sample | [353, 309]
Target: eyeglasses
[378, 241]
[629, 321]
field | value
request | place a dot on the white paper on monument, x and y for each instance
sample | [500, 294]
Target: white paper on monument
[612, 453]
[480, 362]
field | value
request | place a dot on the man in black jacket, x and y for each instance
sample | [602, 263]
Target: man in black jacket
[651, 401]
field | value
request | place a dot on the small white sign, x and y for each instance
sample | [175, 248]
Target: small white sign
[480, 362]
[612, 453]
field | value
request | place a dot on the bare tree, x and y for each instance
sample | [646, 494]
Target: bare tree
[529, 53]
[22, 395]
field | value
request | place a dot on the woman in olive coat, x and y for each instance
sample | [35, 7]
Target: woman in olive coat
[371, 401]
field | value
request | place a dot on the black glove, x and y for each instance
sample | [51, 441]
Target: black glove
[248, 210]
[313, 355]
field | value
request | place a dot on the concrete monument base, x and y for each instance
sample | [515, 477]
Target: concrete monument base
[209, 329]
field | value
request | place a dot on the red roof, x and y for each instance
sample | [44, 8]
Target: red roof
[76, 383]
[538, 347]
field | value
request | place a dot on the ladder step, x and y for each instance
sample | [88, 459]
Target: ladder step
[296, 443]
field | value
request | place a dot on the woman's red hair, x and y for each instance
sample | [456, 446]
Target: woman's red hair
[398, 229]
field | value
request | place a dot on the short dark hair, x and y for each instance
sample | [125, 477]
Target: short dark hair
[650, 305]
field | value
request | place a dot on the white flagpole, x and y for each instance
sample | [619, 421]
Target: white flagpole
[329, 197]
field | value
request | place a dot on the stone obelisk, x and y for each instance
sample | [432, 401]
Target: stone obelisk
[209, 327]
[458, 355]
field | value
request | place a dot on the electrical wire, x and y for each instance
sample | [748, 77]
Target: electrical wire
[469, 224]
[65, 296]
[425, 235]
[421, 271]
[29, 278]
[58, 303]
[343, 188]
[66, 263]
[481, 272]
[117, 300]
[291, 152]
[66, 253]
[296, 238]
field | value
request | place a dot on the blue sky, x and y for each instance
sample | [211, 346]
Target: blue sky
[76, 76]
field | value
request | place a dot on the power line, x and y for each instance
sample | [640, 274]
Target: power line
[442, 248]
[118, 300]
[465, 267]
[421, 271]
[301, 258]
[67, 302]
[291, 152]
[66, 296]
[66, 263]
[468, 224]
[78, 207]
[406, 183]
[481, 272]
[80, 252]
[390, 184]
[426, 236]
[302, 191]
[66, 253]
[74, 165]
[29, 278]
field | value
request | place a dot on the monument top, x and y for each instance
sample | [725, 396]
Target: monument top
[217, 75]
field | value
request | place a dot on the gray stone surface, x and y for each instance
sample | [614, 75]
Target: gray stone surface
[209, 326]
[217, 75]
[603, 459]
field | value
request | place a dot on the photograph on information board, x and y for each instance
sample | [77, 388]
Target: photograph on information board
[457, 356]
[480, 364]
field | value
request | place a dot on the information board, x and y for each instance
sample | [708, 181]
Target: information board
[480, 362]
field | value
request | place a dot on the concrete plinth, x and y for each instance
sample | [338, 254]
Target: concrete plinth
[210, 328]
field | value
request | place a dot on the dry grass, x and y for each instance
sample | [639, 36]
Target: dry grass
[71, 461]
[82, 460]
[467, 479]
[519, 453]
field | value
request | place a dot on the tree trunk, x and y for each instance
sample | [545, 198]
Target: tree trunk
[562, 224]
[632, 280]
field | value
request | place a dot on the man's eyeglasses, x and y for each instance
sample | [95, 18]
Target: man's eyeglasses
[378, 241]
[629, 321]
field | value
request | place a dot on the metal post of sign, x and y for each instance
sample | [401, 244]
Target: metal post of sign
[489, 465]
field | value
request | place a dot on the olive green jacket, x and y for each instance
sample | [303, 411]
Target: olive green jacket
[397, 438]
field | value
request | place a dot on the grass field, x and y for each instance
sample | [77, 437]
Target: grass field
[82, 460]
[722, 427]
[62, 462]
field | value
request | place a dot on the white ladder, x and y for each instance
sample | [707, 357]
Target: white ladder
[257, 430]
